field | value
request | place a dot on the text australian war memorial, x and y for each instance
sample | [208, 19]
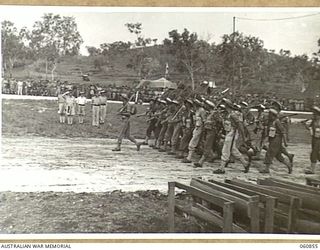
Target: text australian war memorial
[163, 130]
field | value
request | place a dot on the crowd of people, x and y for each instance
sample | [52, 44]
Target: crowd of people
[216, 127]
[47, 88]
[113, 92]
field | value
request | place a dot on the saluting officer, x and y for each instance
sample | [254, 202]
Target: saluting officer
[81, 101]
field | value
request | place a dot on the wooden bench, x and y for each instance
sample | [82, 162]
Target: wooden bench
[267, 205]
[246, 206]
[224, 221]
[286, 207]
[308, 216]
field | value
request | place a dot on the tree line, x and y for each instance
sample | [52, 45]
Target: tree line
[239, 60]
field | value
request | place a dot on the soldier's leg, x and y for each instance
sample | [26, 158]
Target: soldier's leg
[175, 137]
[273, 149]
[131, 138]
[314, 156]
[237, 154]
[286, 153]
[281, 159]
[122, 135]
[196, 134]
[207, 148]
[183, 147]
[225, 154]
[161, 135]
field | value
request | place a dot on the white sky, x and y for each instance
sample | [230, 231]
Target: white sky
[100, 25]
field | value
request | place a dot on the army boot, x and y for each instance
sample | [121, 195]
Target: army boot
[311, 169]
[117, 148]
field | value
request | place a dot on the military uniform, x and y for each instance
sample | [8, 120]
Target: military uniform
[81, 101]
[314, 128]
[102, 108]
[126, 112]
[95, 110]
[275, 133]
[199, 119]
[177, 131]
[187, 128]
[212, 126]
[152, 121]
[70, 108]
[62, 107]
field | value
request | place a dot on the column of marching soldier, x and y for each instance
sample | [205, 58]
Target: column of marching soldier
[218, 129]
[227, 131]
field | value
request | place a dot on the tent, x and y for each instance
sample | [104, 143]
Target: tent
[161, 83]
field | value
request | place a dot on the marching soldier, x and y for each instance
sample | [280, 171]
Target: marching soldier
[126, 111]
[103, 106]
[81, 101]
[187, 128]
[95, 109]
[314, 128]
[275, 134]
[152, 120]
[159, 116]
[177, 131]
[163, 120]
[212, 126]
[171, 121]
[200, 117]
[234, 129]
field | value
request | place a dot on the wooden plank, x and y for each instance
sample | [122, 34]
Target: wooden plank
[219, 187]
[308, 201]
[280, 196]
[298, 185]
[239, 203]
[271, 182]
[313, 182]
[171, 205]
[307, 227]
[263, 197]
[219, 201]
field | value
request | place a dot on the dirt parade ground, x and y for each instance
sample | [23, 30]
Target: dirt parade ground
[68, 183]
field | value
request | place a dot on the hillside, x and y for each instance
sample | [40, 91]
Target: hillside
[119, 68]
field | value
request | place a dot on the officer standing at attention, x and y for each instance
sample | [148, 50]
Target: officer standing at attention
[95, 109]
[103, 106]
[81, 101]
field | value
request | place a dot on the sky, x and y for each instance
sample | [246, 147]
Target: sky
[106, 25]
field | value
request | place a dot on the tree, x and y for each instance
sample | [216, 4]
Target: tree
[13, 46]
[93, 51]
[54, 36]
[191, 54]
[140, 43]
[242, 57]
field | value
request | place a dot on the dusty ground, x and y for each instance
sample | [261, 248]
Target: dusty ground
[60, 179]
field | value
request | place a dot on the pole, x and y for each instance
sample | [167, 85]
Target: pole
[233, 34]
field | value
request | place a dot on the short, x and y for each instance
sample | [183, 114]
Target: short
[81, 110]
[62, 109]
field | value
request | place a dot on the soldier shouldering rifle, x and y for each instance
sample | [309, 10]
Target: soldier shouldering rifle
[126, 111]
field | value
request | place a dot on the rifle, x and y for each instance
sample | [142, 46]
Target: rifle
[282, 117]
[126, 105]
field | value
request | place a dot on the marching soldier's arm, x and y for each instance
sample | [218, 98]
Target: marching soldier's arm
[282, 131]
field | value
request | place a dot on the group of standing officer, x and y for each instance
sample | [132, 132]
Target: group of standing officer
[69, 105]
